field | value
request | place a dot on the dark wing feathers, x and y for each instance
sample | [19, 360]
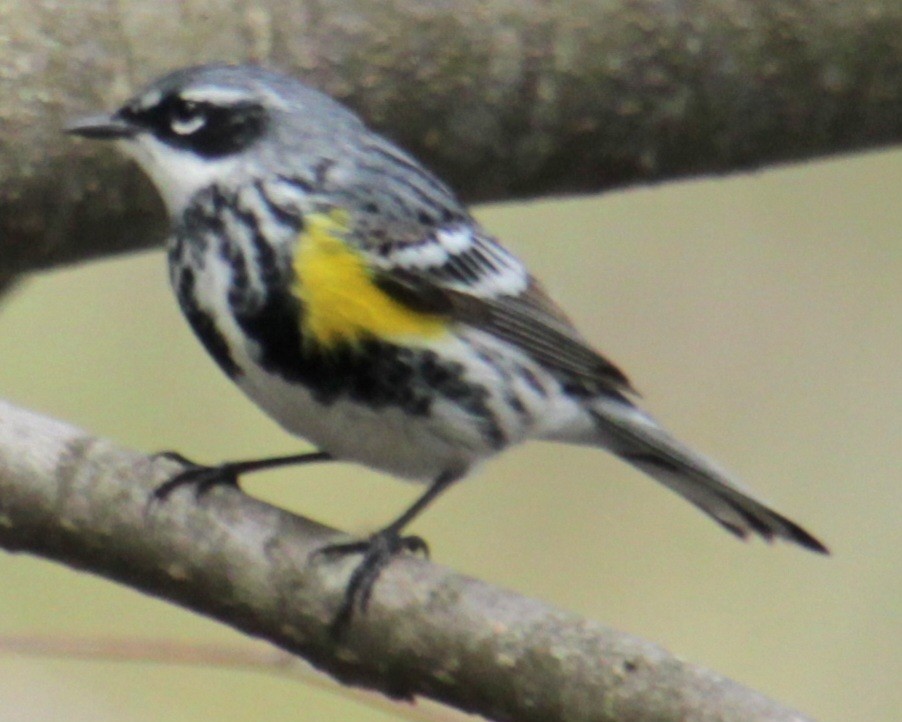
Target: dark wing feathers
[467, 276]
[550, 339]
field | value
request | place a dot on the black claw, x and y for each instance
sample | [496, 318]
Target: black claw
[202, 478]
[416, 545]
[214, 476]
[377, 551]
[174, 456]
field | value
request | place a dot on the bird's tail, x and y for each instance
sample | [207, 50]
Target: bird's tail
[639, 439]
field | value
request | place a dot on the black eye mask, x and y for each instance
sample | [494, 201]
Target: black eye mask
[209, 130]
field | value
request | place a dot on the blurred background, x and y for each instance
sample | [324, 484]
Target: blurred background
[759, 315]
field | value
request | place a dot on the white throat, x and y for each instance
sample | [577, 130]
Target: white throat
[177, 174]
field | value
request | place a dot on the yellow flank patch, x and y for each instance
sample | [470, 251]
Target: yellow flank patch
[341, 301]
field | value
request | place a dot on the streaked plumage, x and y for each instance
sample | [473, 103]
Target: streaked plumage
[349, 294]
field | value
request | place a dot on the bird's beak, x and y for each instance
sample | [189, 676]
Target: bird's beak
[102, 127]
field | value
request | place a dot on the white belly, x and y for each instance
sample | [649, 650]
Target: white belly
[385, 438]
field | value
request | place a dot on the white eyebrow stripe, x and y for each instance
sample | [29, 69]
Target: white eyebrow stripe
[216, 95]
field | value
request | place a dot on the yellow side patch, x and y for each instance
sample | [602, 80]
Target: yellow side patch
[341, 301]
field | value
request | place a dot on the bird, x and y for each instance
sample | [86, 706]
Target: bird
[348, 292]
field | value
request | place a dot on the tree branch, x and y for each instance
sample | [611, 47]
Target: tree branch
[429, 632]
[504, 100]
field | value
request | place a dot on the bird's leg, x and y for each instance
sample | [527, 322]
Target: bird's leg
[378, 550]
[203, 478]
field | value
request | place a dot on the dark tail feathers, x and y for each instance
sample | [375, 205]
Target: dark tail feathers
[637, 438]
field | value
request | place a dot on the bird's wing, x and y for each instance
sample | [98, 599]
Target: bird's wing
[461, 272]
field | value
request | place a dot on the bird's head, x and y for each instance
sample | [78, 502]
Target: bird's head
[220, 124]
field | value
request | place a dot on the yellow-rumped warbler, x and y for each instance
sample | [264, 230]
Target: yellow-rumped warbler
[351, 296]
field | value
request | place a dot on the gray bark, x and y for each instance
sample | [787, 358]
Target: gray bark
[505, 99]
[80, 500]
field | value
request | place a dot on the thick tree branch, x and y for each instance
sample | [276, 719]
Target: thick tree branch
[508, 99]
[429, 632]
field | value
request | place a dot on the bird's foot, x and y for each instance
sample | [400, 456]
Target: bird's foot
[377, 553]
[202, 478]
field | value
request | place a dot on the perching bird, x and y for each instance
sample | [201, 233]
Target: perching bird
[349, 294]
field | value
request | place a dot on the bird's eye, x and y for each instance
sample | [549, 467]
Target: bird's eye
[186, 117]
[210, 128]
